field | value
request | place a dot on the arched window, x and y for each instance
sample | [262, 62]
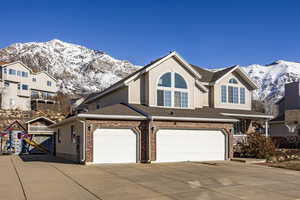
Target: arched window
[165, 80]
[172, 91]
[233, 80]
[180, 82]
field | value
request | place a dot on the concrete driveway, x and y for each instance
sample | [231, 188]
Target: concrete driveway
[39, 178]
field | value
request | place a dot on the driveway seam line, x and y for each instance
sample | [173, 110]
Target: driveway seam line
[76, 182]
[18, 175]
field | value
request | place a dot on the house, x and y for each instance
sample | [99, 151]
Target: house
[167, 111]
[21, 88]
[285, 124]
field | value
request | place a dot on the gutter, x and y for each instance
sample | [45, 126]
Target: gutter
[98, 116]
[247, 115]
[84, 141]
[194, 119]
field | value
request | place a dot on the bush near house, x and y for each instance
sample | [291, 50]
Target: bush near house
[255, 145]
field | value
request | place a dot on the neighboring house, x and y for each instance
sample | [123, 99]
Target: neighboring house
[21, 88]
[286, 122]
[167, 111]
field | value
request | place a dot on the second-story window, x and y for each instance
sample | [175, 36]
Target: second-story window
[49, 83]
[24, 87]
[224, 94]
[5, 70]
[12, 72]
[24, 74]
[242, 95]
[172, 91]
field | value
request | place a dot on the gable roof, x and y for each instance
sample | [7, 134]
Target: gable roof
[126, 80]
[20, 62]
[44, 72]
[39, 118]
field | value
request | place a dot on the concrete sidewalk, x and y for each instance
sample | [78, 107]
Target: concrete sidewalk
[49, 178]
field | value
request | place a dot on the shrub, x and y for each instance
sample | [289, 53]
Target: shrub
[258, 146]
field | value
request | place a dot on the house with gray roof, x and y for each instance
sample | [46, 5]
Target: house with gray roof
[167, 111]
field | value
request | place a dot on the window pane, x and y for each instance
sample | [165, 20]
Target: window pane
[230, 94]
[235, 95]
[232, 80]
[179, 82]
[242, 95]
[184, 99]
[223, 94]
[165, 80]
[160, 97]
[177, 99]
[12, 71]
[167, 98]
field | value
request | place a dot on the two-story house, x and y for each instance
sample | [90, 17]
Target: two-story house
[286, 123]
[167, 111]
[20, 86]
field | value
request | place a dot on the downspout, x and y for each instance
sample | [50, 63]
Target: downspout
[149, 137]
[83, 141]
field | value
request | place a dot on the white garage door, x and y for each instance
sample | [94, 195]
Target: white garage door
[190, 145]
[115, 146]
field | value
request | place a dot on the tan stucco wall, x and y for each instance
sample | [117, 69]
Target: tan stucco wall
[217, 93]
[66, 148]
[19, 98]
[117, 96]
[15, 78]
[170, 65]
[41, 83]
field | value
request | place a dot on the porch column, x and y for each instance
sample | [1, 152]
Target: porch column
[267, 128]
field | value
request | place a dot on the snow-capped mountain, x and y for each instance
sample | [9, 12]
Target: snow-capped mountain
[78, 69]
[271, 78]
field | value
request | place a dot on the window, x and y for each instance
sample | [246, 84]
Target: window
[242, 95]
[240, 127]
[235, 95]
[33, 79]
[24, 87]
[58, 136]
[172, 91]
[6, 84]
[18, 73]
[98, 106]
[164, 98]
[5, 71]
[233, 81]
[73, 138]
[179, 82]
[181, 99]
[165, 80]
[230, 94]
[223, 93]
[49, 83]
[19, 86]
[24, 74]
[12, 72]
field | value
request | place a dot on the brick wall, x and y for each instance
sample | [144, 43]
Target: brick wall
[142, 128]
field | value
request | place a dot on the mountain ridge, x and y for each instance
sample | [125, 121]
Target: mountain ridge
[80, 70]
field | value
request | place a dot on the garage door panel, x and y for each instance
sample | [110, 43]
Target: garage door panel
[115, 146]
[190, 145]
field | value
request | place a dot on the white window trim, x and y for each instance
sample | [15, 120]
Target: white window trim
[172, 89]
[227, 94]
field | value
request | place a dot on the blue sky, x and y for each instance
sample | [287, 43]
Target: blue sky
[206, 33]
